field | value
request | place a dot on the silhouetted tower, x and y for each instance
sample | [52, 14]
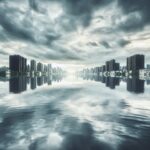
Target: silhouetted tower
[33, 66]
[17, 64]
[135, 63]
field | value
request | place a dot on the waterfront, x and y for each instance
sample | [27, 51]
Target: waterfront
[74, 115]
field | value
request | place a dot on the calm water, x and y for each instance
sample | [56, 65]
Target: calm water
[73, 114]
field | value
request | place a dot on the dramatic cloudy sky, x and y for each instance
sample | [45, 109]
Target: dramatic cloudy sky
[74, 31]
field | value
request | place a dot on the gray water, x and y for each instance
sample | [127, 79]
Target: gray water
[74, 114]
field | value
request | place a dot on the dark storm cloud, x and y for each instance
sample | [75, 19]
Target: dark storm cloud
[76, 12]
[34, 5]
[9, 24]
[82, 10]
[105, 44]
[123, 42]
[135, 22]
[3, 52]
[24, 29]
[60, 53]
[92, 44]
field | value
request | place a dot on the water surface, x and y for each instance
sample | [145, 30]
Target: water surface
[73, 114]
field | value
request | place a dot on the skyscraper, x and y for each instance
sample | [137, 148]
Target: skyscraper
[135, 63]
[40, 67]
[17, 64]
[33, 66]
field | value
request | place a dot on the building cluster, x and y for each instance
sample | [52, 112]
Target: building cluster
[18, 66]
[4, 71]
[108, 67]
[134, 66]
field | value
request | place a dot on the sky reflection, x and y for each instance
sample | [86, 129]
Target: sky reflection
[80, 116]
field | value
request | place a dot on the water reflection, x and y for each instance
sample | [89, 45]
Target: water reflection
[33, 83]
[83, 116]
[19, 84]
[134, 84]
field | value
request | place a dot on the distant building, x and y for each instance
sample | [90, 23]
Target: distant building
[107, 66]
[148, 66]
[40, 67]
[17, 63]
[49, 69]
[28, 68]
[148, 82]
[103, 68]
[112, 66]
[33, 66]
[4, 71]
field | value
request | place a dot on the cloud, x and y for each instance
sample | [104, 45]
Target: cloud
[71, 30]
[105, 44]
[92, 44]
[82, 11]
[137, 11]
[123, 42]
[12, 27]
[34, 5]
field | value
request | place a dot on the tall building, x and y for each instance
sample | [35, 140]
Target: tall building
[28, 68]
[107, 66]
[17, 64]
[45, 68]
[49, 69]
[40, 67]
[117, 67]
[148, 66]
[135, 63]
[33, 66]
[112, 66]
[129, 63]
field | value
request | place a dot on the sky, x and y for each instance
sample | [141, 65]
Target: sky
[74, 32]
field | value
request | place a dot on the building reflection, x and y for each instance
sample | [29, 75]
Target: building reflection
[112, 82]
[33, 83]
[135, 85]
[148, 82]
[40, 81]
[20, 83]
